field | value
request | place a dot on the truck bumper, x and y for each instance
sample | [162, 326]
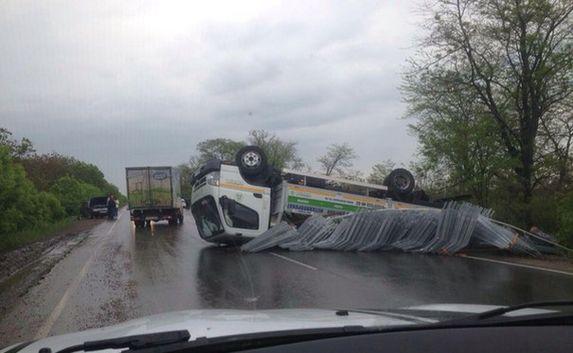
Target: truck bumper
[154, 214]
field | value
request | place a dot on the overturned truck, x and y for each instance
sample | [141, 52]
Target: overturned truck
[236, 201]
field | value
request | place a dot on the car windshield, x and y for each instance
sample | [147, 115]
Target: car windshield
[281, 164]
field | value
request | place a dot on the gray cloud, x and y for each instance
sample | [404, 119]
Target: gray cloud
[141, 83]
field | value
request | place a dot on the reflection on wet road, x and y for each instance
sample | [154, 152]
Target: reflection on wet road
[119, 273]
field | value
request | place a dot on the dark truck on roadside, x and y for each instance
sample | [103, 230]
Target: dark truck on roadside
[153, 194]
[97, 207]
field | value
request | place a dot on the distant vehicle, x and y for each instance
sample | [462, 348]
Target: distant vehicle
[234, 202]
[153, 194]
[97, 207]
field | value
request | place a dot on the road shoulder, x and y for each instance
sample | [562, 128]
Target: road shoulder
[22, 268]
[547, 262]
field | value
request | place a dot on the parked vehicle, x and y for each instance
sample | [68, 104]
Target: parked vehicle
[153, 194]
[97, 207]
[233, 202]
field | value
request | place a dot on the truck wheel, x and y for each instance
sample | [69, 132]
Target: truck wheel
[251, 161]
[400, 181]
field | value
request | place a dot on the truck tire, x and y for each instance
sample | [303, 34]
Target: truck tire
[400, 181]
[251, 161]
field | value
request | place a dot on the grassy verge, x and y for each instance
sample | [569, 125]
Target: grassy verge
[15, 240]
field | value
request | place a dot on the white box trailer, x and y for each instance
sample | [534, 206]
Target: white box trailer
[153, 194]
[232, 202]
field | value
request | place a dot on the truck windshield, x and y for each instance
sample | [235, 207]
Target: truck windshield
[206, 216]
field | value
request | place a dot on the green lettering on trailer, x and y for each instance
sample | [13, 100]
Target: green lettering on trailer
[323, 204]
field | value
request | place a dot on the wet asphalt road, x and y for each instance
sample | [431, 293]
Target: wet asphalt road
[118, 274]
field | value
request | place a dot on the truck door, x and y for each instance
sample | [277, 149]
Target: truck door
[137, 187]
[245, 208]
[160, 187]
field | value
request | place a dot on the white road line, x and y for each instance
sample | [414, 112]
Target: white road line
[57, 311]
[294, 261]
[518, 265]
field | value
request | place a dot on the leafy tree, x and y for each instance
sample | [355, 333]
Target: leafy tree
[21, 206]
[556, 143]
[17, 149]
[72, 193]
[281, 154]
[44, 170]
[380, 171]
[566, 219]
[186, 172]
[457, 138]
[514, 57]
[219, 148]
[337, 158]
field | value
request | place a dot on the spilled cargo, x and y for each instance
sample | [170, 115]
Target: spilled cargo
[450, 230]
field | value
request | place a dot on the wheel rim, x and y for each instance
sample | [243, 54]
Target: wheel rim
[402, 182]
[251, 159]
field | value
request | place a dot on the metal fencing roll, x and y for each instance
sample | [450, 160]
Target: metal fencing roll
[423, 230]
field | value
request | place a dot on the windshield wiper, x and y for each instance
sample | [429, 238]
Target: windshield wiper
[255, 340]
[173, 341]
[495, 316]
[131, 342]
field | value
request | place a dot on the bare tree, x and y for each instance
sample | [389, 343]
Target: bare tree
[337, 158]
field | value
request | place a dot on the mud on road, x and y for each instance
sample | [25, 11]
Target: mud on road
[22, 268]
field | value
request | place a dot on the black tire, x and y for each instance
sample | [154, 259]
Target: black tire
[251, 161]
[400, 181]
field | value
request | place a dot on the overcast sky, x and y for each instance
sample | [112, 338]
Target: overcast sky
[130, 83]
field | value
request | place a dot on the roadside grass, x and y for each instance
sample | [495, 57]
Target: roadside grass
[16, 240]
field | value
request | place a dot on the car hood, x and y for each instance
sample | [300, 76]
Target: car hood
[216, 323]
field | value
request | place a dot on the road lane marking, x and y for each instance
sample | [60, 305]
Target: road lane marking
[294, 261]
[57, 311]
[518, 265]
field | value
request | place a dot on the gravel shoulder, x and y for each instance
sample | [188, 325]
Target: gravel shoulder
[22, 268]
